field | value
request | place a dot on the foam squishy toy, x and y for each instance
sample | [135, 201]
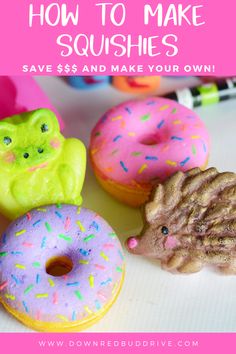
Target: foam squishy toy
[21, 94]
[88, 82]
[136, 84]
[62, 268]
[138, 143]
[38, 165]
[190, 222]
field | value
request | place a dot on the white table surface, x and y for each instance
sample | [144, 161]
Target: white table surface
[152, 300]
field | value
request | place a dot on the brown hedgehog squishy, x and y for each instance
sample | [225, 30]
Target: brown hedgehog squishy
[190, 222]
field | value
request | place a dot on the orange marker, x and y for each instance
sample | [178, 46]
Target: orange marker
[136, 84]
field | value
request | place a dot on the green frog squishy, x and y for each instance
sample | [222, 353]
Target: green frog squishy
[38, 166]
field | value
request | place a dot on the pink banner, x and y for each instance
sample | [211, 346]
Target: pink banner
[117, 37]
[193, 343]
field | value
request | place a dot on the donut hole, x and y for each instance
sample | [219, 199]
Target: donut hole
[59, 265]
[149, 140]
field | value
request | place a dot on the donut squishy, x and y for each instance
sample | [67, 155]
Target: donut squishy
[21, 94]
[138, 143]
[88, 82]
[190, 221]
[136, 84]
[38, 165]
[61, 269]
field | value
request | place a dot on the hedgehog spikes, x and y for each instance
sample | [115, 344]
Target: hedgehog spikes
[191, 221]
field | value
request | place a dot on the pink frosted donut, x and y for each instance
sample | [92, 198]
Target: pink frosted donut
[138, 143]
[61, 268]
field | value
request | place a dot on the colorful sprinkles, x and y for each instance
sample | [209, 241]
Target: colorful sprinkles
[145, 117]
[159, 125]
[142, 168]
[3, 254]
[48, 227]
[118, 137]
[123, 166]
[78, 295]
[66, 238]
[88, 238]
[81, 227]
[3, 285]
[10, 296]
[41, 296]
[20, 266]
[182, 163]
[153, 158]
[28, 289]
[16, 280]
[91, 280]
[36, 223]
[21, 232]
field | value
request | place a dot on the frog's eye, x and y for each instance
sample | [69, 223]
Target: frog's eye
[44, 128]
[164, 230]
[7, 140]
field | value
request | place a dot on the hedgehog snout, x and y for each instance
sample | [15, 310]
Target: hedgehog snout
[132, 244]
